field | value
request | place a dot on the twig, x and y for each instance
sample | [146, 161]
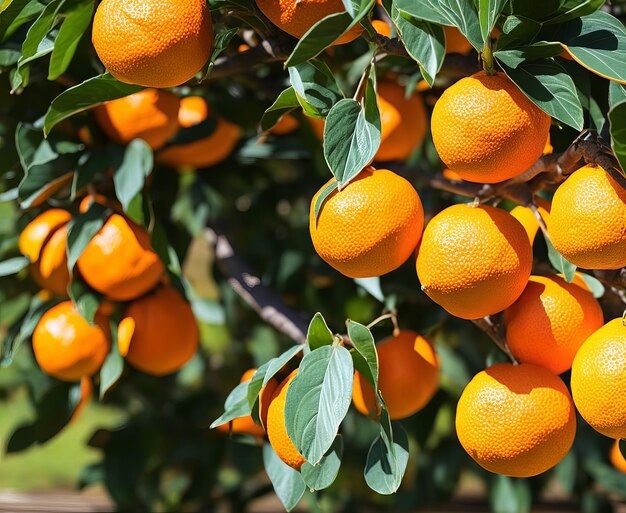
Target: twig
[248, 286]
[487, 325]
[390, 315]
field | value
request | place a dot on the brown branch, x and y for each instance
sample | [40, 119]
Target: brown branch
[492, 331]
[248, 286]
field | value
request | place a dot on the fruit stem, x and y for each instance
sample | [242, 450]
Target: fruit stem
[487, 58]
[390, 315]
[487, 325]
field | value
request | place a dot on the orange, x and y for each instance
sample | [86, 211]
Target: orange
[617, 458]
[296, 17]
[370, 227]
[86, 202]
[516, 420]
[39, 230]
[153, 43]
[382, 27]
[286, 124]
[486, 130]
[119, 261]
[474, 261]
[548, 148]
[51, 272]
[207, 150]
[86, 391]
[527, 218]
[456, 42]
[588, 219]
[406, 362]
[66, 346]
[276, 430]
[158, 334]
[550, 321]
[599, 380]
[150, 115]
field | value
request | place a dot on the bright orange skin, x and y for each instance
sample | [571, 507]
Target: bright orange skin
[286, 124]
[153, 43]
[550, 321]
[407, 362]
[588, 220]
[486, 130]
[150, 115]
[599, 380]
[50, 271]
[39, 230]
[204, 152]
[369, 228]
[528, 220]
[516, 420]
[86, 391]
[474, 261]
[296, 17]
[276, 430]
[617, 458]
[456, 42]
[382, 27]
[165, 335]
[66, 346]
[119, 261]
[86, 202]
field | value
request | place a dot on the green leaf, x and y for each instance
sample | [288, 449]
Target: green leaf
[268, 370]
[322, 475]
[595, 285]
[74, 26]
[510, 495]
[328, 189]
[424, 42]
[318, 334]
[607, 477]
[86, 300]
[367, 361]
[81, 229]
[617, 93]
[318, 399]
[17, 14]
[79, 98]
[287, 482]
[286, 102]
[220, 43]
[517, 31]
[113, 365]
[488, 13]
[617, 122]
[13, 265]
[546, 84]
[131, 174]
[597, 42]
[567, 472]
[572, 9]
[236, 405]
[555, 11]
[387, 458]
[315, 87]
[559, 262]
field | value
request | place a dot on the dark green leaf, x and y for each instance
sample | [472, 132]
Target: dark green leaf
[13, 265]
[38, 31]
[322, 475]
[322, 196]
[608, 478]
[517, 31]
[617, 121]
[16, 14]
[130, 176]
[318, 334]
[617, 93]
[364, 345]
[113, 365]
[315, 87]
[236, 405]
[220, 43]
[488, 13]
[572, 9]
[81, 229]
[287, 482]
[318, 399]
[286, 102]
[85, 299]
[559, 262]
[510, 495]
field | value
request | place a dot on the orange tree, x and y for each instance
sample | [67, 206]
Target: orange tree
[168, 230]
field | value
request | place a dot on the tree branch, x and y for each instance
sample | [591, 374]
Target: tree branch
[492, 331]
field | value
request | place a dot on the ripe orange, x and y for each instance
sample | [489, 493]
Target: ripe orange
[86, 202]
[51, 272]
[276, 430]
[119, 261]
[150, 115]
[286, 124]
[407, 362]
[474, 261]
[516, 420]
[382, 27]
[66, 346]
[599, 380]
[456, 42]
[486, 130]
[617, 458]
[39, 230]
[205, 151]
[370, 227]
[153, 43]
[296, 17]
[588, 219]
[550, 321]
[159, 333]
[528, 220]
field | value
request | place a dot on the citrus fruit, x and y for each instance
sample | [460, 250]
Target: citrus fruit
[599, 379]
[527, 218]
[588, 219]
[405, 362]
[217, 137]
[66, 346]
[456, 42]
[276, 430]
[516, 420]
[486, 130]
[119, 261]
[296, 17]
[286, 124]
[153, 43]
[150, 115]
[474, 261]
[370, 227]
[158, 334]
[382, 27]
[550, 321]
[617, 458]
[101, 199]
[50, 271]
[39, 230]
